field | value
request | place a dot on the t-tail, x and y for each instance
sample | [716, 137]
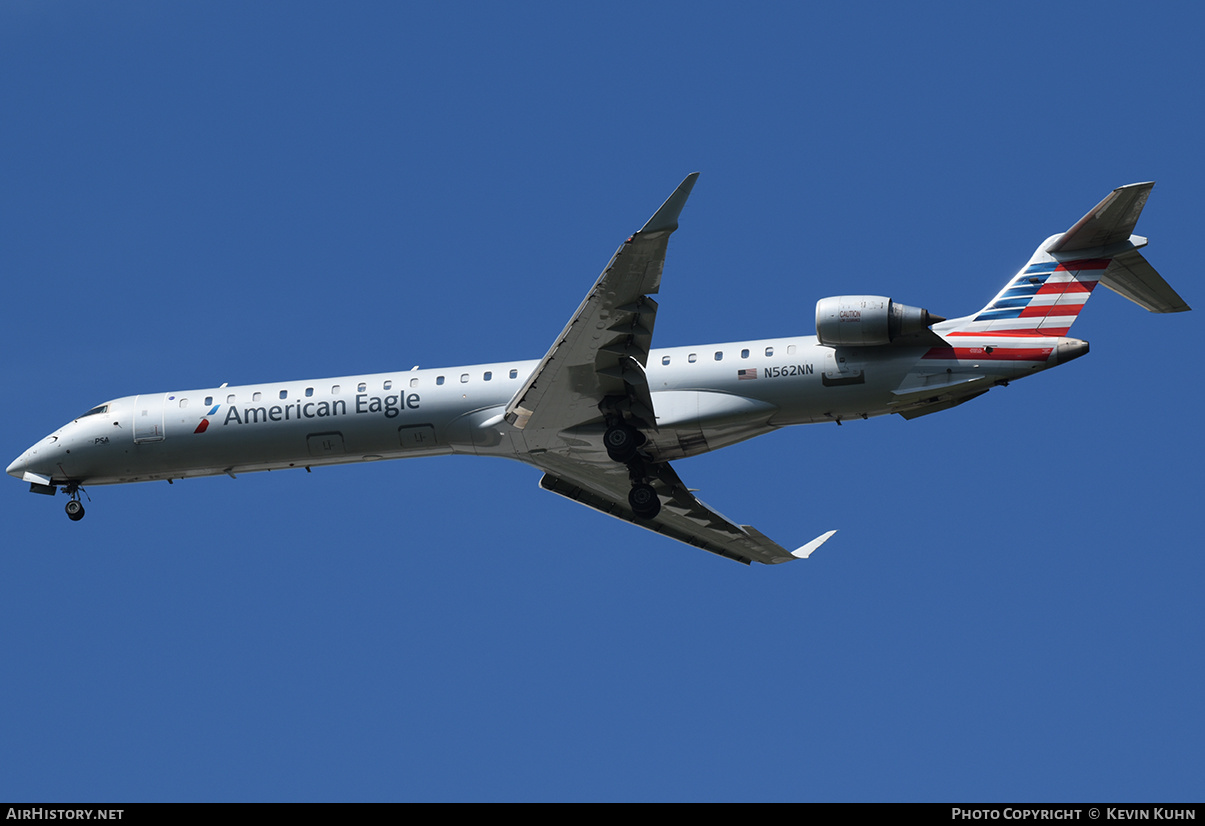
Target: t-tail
[1046, 296]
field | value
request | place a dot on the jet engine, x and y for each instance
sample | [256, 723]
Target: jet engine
[868, 320]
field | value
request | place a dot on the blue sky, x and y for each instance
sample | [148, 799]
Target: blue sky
[197, 193]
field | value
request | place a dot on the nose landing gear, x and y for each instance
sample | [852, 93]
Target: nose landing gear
[75, 508]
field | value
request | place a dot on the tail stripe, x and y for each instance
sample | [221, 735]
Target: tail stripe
[988, 354]
[1043, 299]
[1060, 287]
[1033, 287]
[992, 315]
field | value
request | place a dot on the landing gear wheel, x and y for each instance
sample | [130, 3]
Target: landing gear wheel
[644, 501]
[75, 510]
[622, 442]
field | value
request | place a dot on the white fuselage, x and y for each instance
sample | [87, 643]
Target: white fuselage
[705, 397]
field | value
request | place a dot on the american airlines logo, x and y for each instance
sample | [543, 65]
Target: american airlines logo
[204, 425]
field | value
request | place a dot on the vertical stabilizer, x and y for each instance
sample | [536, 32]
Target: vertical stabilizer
[1046, 296]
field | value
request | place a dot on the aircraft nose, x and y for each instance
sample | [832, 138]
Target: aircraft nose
[18, 466]
[37, 460]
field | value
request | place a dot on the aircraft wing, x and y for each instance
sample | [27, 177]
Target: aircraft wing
[683, 517]
[602, 352]
[597, 363]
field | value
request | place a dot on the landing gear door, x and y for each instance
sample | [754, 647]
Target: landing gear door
[148, 419]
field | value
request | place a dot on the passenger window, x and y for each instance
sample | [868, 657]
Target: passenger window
[769, 351]
[514, 374]
[284, 394]
[439, 379]
[744, 354]
[388, 385]
[414, 382]
[464, 377]
[362, 387]
[692, 358]
[719, 356]
[256, 396]
[665, 359]
[309, 391]
[488, 375]
[230, 399]
[334, 390]
[208, 400]
[790, 349]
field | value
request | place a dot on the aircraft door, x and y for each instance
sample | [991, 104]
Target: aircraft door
[148, 419]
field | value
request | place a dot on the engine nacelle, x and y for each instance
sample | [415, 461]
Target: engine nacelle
[867, 320]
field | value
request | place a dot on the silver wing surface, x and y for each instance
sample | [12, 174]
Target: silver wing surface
[595, 370]
[602, 352]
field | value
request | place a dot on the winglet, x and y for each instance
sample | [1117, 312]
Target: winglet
[806, 550]
[666, 218]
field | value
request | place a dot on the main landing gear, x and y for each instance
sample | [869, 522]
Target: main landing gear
[75, 508]
[622, 442]
[644, 500]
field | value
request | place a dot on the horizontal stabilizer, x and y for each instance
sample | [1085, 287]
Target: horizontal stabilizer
[1110, 221]
[1131, 276]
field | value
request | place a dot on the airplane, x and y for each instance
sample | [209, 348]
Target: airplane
[603, 414]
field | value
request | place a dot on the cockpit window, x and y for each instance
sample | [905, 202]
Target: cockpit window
[104, 408]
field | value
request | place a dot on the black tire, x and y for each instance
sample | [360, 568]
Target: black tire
[75, 510]
[644, 501]
[621, 442]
